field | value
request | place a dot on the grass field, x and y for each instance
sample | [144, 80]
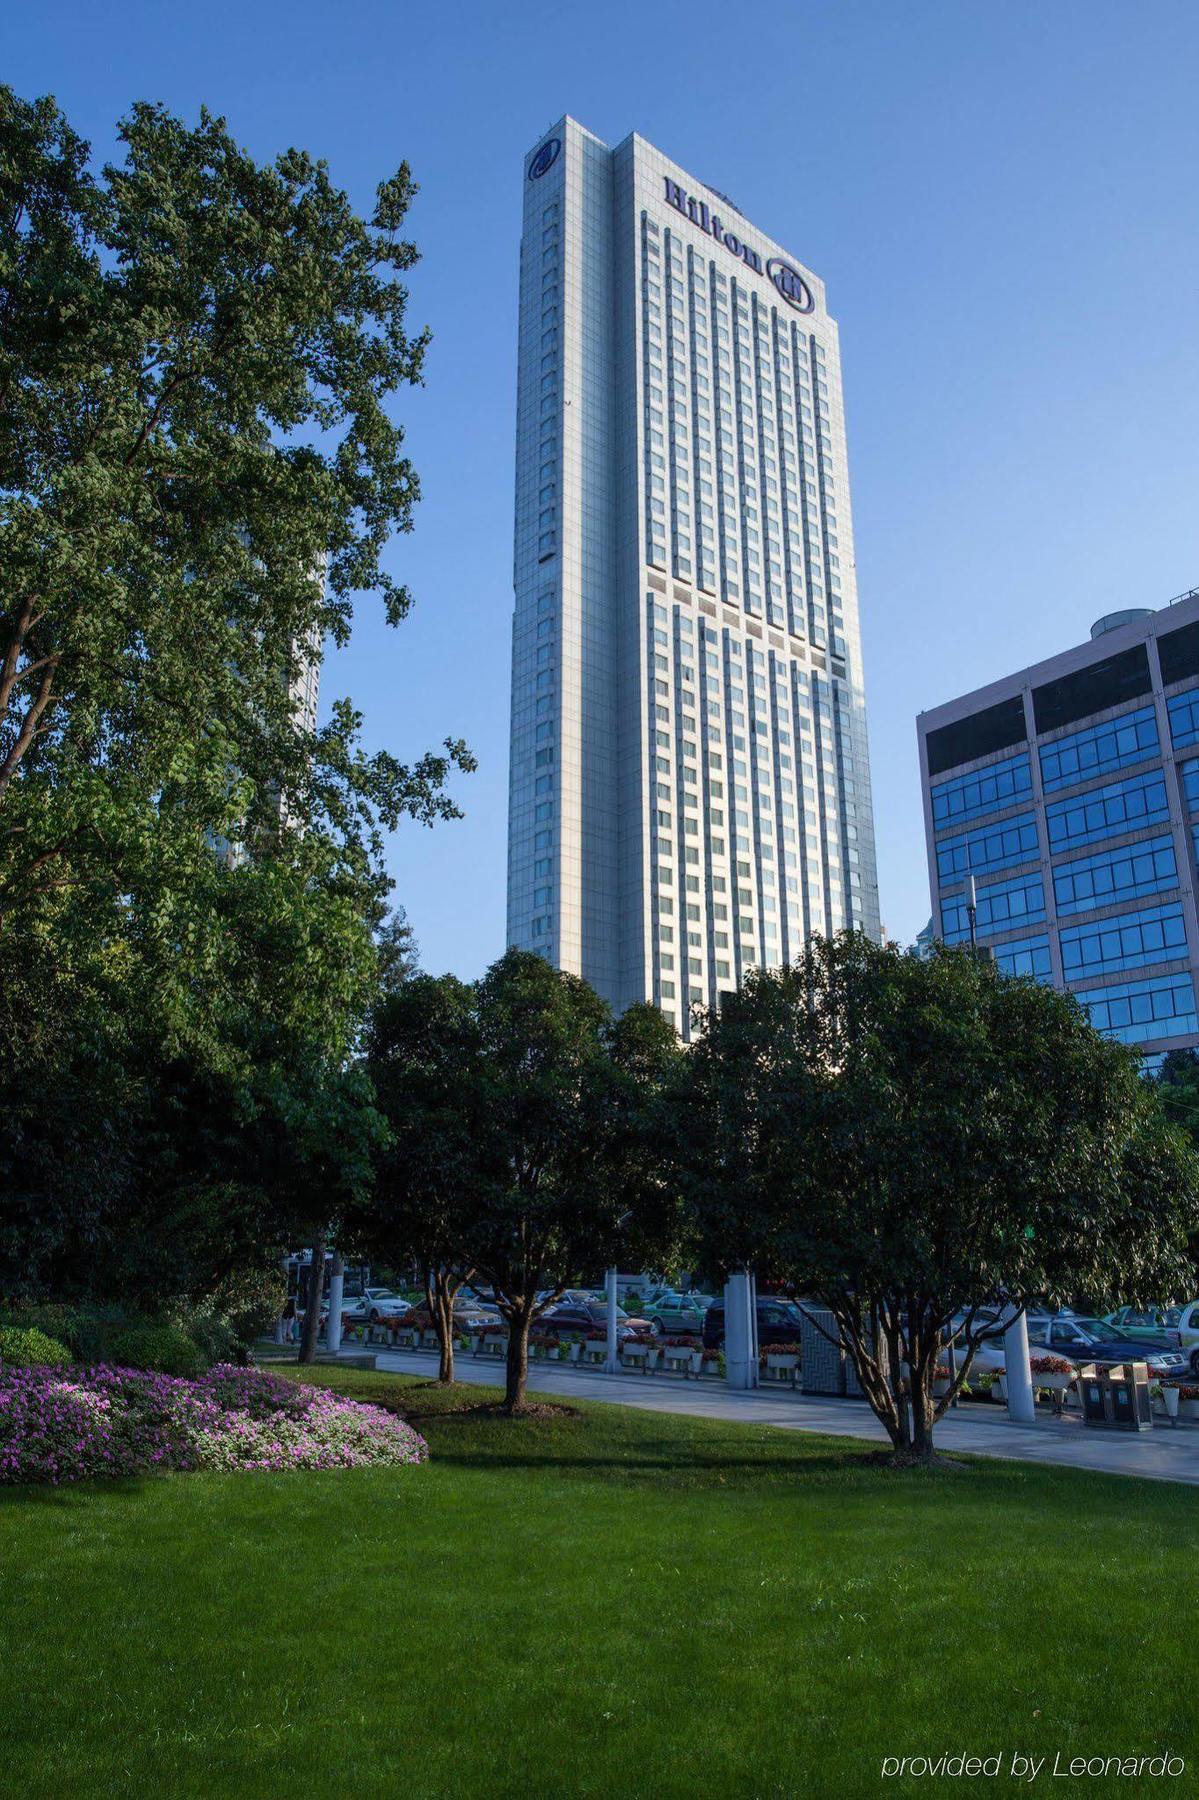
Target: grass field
[603, 1602]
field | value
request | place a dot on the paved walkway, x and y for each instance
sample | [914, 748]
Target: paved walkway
[1164, 1454]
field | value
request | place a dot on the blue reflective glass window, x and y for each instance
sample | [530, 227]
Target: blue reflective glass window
[1188, 773]
[1107, 811]
[1027, 956]
[1000, 906]
[1099, 748]
[1162, 1006]
[1157, 934]
[988, 848]
[987, 790]
[1123, 874]
[1184, 718]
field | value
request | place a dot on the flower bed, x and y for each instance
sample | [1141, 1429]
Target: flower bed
[67, 1425]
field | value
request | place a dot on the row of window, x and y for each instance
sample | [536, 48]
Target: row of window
[988, 790]
[1125, 874]
[1122, 806]
[991, 847]
[1070, 760]
[1084, 886]
[1026, 956]
[1099, 748]
[1018, 901]
[1157, 934]
[1135, 1011]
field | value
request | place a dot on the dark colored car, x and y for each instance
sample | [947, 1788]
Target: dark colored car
[1097, 1340]
[779, 1322]
[577, 1318]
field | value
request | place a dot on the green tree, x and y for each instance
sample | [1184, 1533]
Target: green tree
[199, 472]
[1178, 1091]
[905, 1142]
[563, 1103]
[422, 1055]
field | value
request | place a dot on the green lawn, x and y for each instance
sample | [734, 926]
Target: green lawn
[608, 1602]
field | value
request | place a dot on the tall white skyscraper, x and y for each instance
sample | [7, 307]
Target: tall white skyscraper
[690, 781]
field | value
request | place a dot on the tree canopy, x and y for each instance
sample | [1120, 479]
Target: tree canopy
[908, 1143]
[200, 474]
[524, 1144]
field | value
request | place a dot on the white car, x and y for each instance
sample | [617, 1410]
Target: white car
[377, 1304]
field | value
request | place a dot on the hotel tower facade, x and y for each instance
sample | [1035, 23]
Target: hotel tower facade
[690, 783]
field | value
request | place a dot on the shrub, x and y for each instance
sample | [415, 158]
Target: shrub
[26, 1347]
[1050, 1365]
[212, 1335]
[163, 1349]
[101, 1421]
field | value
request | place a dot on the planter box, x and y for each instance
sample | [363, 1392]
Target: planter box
[634, 1353]
[941, 1388]
[594, 1353]
[428, 1340]
[406, 1339]
[679, 1360]
[495, 1346]
[1188, 1409]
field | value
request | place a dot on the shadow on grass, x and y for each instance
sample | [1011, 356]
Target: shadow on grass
[68, 1493]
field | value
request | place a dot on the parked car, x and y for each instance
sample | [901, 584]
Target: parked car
[1147, 1322]
[469, 1315]
[681, 1313]
[583, 1318]
[376, 1304]
[779, 1322]
[1188, 1333]
[1082, 1339]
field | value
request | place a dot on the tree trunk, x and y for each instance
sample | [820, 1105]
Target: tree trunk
[444, 1290]
[518, 1359]
[312, 1315]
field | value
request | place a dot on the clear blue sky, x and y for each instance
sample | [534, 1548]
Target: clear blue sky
[1000, 195]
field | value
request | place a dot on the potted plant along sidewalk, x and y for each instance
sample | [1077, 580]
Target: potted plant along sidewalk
[942, 1381]
[676, 1354]
[1053, 1373]
[633, 1352]
[1167, 1394]
[1188, 1397]
[782, 1361]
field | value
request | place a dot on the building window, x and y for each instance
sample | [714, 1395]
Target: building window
[1027, 956]
[1161, 1007]
[1155, 935]
[1100, 748]
[992, 847]
[1106, 812]
[1125, 874]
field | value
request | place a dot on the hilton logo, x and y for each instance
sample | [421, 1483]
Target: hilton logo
[789, 282]
[545, 158]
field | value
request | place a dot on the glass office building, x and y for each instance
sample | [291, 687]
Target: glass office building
[690, 785]
[1070, 792]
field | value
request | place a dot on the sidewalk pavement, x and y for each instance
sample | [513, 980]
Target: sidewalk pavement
[1164, 1454]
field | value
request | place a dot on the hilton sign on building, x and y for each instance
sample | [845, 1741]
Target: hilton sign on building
[690, 784]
